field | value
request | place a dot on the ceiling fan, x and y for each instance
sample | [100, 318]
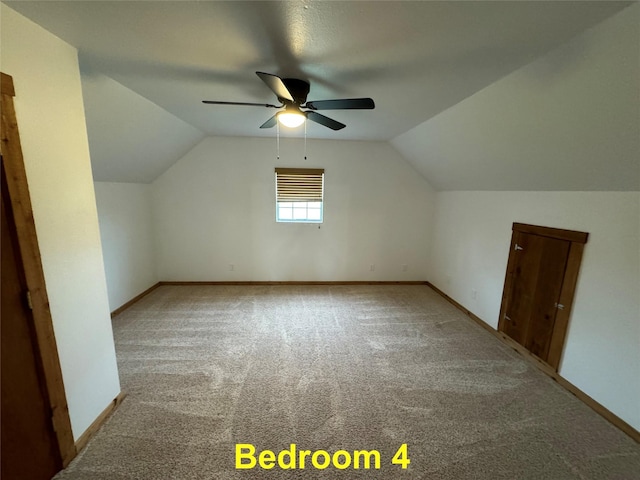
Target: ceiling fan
[292, 94]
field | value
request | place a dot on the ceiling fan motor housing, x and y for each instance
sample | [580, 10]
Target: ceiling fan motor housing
[299, 89]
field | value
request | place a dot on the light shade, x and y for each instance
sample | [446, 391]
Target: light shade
[291, 119]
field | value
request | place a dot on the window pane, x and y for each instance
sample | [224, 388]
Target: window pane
[285, 213]
[299, 213]
[314, 214]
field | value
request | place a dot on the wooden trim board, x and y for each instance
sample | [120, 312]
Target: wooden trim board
[124, 306]
[354, 282]
[98, 422]
[6, 85]
[593, 404]
[18, 189]
[570, 235]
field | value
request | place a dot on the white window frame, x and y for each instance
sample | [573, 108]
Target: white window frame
[302, 189]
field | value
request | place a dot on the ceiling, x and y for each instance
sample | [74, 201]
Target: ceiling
[415, 59]
[460, 86]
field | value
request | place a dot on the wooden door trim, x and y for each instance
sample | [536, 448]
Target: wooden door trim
[6, 85]
[557, 233]
[567, 292]
[29, 252]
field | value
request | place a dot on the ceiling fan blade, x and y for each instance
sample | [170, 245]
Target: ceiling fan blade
[326, 121]
[276, 84]
[270, 123]
[215, 102]
[345, 104]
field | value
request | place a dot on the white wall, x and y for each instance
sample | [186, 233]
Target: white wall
[568, 121]
[124, 214]
[216, 207]
[56, 154]
[602, 350]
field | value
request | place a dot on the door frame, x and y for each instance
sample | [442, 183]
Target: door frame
[29, 253]
[577, 241]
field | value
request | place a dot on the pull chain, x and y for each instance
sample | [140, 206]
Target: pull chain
[305, 139]
[278, 140]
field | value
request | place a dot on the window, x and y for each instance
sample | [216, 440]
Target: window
[299, 193]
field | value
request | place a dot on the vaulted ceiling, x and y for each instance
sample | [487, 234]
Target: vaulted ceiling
[148, 65]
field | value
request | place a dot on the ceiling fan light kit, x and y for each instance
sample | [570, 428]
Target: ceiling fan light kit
[292, 94]
[291, 117]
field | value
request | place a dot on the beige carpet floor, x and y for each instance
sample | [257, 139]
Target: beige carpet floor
[336, 368]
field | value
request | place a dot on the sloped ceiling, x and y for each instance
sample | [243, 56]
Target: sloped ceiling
[416, 59]
[568, 121]
[131, 139]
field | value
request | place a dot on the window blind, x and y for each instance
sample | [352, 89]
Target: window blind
[299, 184]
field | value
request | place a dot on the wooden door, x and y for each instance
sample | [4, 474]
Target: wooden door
[539, 286]
[22, 267]
[537, 281]
[29, 444]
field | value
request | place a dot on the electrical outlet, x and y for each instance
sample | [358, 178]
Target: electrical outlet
[372, 267]
[405, 267]
[449, 278]
[474, 293]
[232, 267]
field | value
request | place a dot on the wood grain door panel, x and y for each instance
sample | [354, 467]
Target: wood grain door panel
[29, 445]
[527, 250]
[551, 268]
[538, 291]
